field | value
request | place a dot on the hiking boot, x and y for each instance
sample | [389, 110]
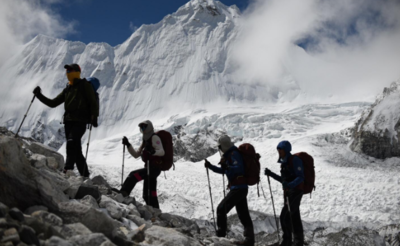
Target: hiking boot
[221, 233]
[246, 242]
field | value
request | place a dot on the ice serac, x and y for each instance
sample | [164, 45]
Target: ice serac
[377, 132]
[182, 62]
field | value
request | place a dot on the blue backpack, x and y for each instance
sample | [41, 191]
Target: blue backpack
[96, 85]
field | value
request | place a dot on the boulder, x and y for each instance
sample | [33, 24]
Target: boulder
[3, 210]
[74, 229]
[93, 239]
[145, 213]
[48, 217]
[28, 235]
[56, 241]
[89, 201]
[115, 209]
[90, 190]
[139, 221]
[38, 161]
[74, 184]
[11, 235]
[157, 235]
[16, 214]
[100, 180]
[22, 185]
[43, 229]
[42, 149]
[52, 163]
[33, 209]
[74, 212]
[133, 210]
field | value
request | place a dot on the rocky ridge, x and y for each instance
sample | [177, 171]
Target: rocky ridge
[377, 132]
[41, 206]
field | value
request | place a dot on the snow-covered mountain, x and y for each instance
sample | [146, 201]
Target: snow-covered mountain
[182, 62]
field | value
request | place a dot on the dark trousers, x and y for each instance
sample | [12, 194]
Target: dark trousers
[295, 197]
[141, 174]
[235, 198]
[74, 132]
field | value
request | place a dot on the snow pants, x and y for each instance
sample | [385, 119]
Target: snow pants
[74, 132]
[149, 181]
[287, 219]
[235, 198]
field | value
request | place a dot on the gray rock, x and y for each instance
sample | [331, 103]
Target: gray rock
[94, 239]
[28, 235]
[11, 235]
[33, 209]
[119, 198]
[16, 214]
[107, 243]
[48, 217]
[133, 210]
[74, 212]
[178, 221]
[145, 213]
[157, 235]
[43, 229]
[129, 200]
[3, 210]
[52, 163]
[89, 201]
[74, 229]
[24, 185]
[56, 241]
[38, 161]
[42, 149]
[88, 182]
[139, 221]
[100, 180]
[85, 190]
[119, 238]
[74, 184]
[115, 209]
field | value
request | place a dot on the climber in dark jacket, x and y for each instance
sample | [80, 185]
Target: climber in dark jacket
[232, 165]
[81, 108]
[292, 179]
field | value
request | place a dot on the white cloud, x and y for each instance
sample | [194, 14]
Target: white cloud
[21, 20]
[352, 46]
[132, 27]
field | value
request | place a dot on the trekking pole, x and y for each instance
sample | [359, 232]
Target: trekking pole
[223, 184]
[290, 213]
[273, 206]
[212, 204]
[148, 182]
[87, 146]
[123, 164]
[16, 134]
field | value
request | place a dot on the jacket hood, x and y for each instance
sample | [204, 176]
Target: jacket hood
[287, 147]
[225, 142]
[149, 131]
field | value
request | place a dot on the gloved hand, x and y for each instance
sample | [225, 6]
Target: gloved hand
[224, 166]
[267, 172]
[126, 142]
[207, 164]
[94, 121]
[37, 91]
[146, 155]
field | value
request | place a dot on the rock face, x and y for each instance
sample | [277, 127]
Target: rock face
[22, 185]
[377, 132]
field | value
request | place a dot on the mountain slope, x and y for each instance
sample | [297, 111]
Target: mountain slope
[182, 62]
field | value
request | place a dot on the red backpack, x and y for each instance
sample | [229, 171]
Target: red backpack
[309, 172]
[251, 162]
[168, 158]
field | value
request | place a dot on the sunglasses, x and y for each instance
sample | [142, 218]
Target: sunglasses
[143, 127]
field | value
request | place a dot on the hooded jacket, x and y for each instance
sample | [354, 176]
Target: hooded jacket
[292, 169]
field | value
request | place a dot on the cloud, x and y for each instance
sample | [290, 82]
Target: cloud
[335, 50]
[21, 20]
[132, 27]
